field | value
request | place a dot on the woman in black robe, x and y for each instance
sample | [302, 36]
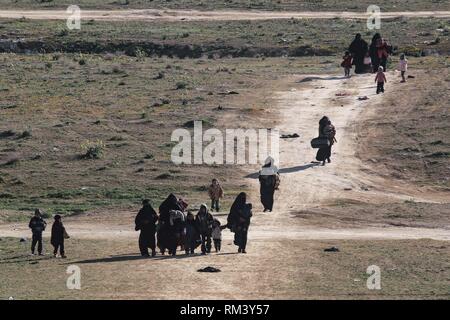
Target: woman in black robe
[166, 231]
[379, 51]
[239, 221]
[268, 181]
[358, 49]
[326, 130]
[373, 52]
[146, 222]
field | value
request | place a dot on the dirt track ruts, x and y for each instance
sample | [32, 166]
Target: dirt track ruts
[218, 15]
[303, 184]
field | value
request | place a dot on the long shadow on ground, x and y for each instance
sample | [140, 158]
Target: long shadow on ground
[24, 258]
[132, 257]
[255, 175]
[321, 78]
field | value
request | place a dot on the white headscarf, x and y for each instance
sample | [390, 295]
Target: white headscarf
[269, 168]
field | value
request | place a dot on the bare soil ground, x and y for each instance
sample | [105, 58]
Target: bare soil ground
[280, 239]
[377, 201]
[275, 269]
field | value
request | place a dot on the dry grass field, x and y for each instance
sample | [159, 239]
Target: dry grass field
[123, 87]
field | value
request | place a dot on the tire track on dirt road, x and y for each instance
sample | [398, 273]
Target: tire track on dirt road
[217, 15]
[303, 184]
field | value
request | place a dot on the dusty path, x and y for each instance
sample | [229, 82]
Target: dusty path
[304, 184]
[337, 98]
[281, 261]
[195, 15]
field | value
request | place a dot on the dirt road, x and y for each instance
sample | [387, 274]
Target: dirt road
[195, 15]
[281, 262]
[304, 184]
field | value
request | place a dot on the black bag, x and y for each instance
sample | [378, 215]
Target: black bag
[322, 154]
[320, 142]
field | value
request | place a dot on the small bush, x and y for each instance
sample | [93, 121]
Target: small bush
[163, 176]
[12, 161]
[181, 85]
[116, 70]
[93, 149]
[63, 33]
[46, 215]
[25, 134]
[6, 195]
[139, 53]
[160, 75]
[7, 134]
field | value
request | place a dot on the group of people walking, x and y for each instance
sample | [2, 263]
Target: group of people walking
[372, 59]
[37, 225]
[175, 226]
[368, 58]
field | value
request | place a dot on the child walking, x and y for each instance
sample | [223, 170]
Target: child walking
[37, 226]
[215, 192]
[403, 66]
[217, 234]
[380, 79]
[58, 235]
[367, 63]
[192, 235]
[347, 63]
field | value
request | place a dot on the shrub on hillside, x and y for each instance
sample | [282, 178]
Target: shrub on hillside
[93, 149]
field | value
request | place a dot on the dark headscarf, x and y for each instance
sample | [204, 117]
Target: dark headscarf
[239, 201]
[146, 213]
[323, 123]
[375, 37]
[237, 205]
[171, 203]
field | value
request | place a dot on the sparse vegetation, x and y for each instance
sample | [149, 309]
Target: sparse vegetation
[273, 38]
[93, 149]
[411, 139]
[123, 88]
[181, 85]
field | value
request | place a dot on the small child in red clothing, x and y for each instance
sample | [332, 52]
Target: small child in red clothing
[347, 63]
[380, 79]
